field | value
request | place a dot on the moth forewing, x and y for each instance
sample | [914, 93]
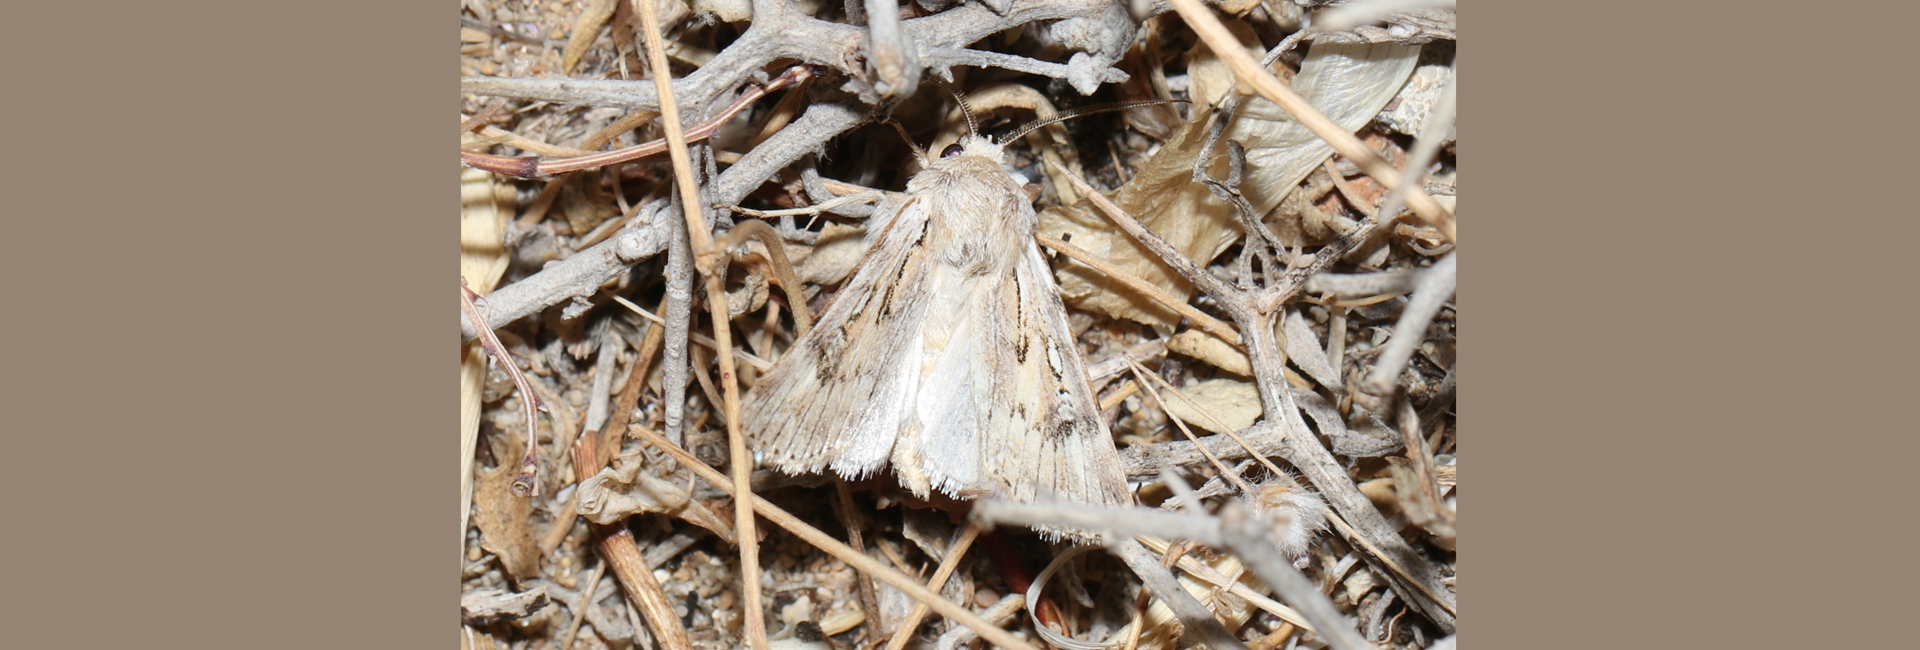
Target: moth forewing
[948, 356]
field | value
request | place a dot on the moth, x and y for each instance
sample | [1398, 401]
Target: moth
[946, 357]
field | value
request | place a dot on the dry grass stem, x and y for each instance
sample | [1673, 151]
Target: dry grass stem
[782, 270]
[619, 551]
[707, 260]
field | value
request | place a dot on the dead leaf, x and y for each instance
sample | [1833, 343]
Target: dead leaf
[1206, 347]
[1305, 351]
[1348, 81]
[617, 493]
[502, 519]
[835, 255]
[1235, 404]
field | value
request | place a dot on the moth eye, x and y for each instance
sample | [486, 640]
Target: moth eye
[951, 150]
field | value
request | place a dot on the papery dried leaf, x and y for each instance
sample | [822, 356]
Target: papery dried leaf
[502, 519]
[1235, 404]
[1164, 197]
[1209, 348]
[614, 494]
[1209, 78]
[1348, 82]
[1305, 350]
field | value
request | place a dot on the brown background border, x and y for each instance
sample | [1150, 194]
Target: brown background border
[231, 267]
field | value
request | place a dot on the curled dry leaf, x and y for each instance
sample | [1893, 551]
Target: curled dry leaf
[615, 494]
[1350, 82]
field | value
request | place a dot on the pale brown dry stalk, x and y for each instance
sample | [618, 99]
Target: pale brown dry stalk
[630, 393]
[824, 542]
[1248, 71]
[706, 258]
[1254, 313]
[957, 550]
[851, 519]
[593, 584]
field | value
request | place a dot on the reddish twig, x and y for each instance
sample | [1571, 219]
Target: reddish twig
[526, 483]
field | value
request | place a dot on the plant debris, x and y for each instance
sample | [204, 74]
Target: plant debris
[1263, 298]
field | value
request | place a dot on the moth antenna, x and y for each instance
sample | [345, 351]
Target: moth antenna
[972, 127]
[915, 146]
[1088, 110]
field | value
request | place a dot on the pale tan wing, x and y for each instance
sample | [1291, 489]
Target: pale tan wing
[837, 397]
[1047, 436]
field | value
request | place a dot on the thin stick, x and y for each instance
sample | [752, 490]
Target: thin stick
[526, 483]
[706, 258]
[1200, 319]
[586, 598]
[853, 522]
[630, 394]
[939, 581]
[1215, 34]
[834, 547]
[752, 360]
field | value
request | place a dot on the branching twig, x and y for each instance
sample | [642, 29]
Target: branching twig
[578, 276]
[540, 167]
[1254, 318]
